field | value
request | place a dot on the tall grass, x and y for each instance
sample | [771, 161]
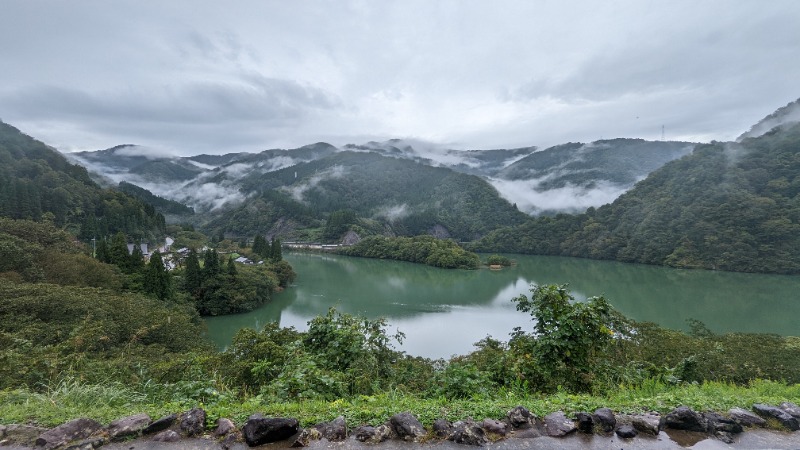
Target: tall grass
[71, 398]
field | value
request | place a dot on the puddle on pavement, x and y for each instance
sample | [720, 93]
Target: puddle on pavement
[685, 438]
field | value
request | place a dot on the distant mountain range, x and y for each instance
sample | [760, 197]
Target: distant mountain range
[564, 178]
[732, 206]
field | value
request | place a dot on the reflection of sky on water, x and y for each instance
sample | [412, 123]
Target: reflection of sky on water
[452, 329]
[443, 312]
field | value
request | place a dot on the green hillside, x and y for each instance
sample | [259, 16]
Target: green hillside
[727, 206]
[619, 161]
[410, 198]
[37, 182]
[161, 204]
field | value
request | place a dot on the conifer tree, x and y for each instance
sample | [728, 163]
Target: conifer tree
[211, 266]
[157, 280]
[192, 277]
[275, 250]
[231, 269]
[136, 259]
[260, 246]
[101, 254]
[118, 252]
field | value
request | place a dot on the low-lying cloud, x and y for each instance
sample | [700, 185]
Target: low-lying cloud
[570, 198]
[393, 213]
[298, 191]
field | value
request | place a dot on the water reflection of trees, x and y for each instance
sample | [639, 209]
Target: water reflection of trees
[405, 292]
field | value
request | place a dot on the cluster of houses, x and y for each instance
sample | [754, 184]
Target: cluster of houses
[174, 258]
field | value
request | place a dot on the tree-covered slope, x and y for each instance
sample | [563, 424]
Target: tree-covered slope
[410, 197]
[37, 182]
[616, 161]
[162, 205]
[474, 162]
[727, 206]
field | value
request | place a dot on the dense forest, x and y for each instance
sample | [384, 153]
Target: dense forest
[418, 249]
[616, 161]
[419, 197]
[161, 204]
[38, 183]
[727, 206]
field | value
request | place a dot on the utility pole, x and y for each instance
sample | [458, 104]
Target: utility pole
[662, 132]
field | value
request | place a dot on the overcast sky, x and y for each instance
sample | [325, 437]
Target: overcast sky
[217, 76]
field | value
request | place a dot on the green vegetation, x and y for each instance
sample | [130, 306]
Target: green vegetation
[428, 250]
[226, 287]
[727, 206]
[617, 161]
[410, 202]
[71, 351]
[161, 204]
[38, 183]
[498, 260]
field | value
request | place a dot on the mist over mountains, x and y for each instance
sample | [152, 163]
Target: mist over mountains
[564, 178]
[509, 199]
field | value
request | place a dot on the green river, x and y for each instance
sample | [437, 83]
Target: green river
[443, 312]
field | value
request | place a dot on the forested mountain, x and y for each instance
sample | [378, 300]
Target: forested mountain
[285, 192]
[728, 206]
[474, 162]
[162, 205]
[37, 182]
[786, 115]
[138, 161]
[407, 197]
[616, 161]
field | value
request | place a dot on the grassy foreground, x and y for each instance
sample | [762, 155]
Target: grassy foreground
[72, 399]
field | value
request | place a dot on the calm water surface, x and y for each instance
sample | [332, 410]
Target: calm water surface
[443, 312]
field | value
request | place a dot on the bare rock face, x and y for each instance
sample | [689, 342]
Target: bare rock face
[773, 412]
[558, 425]
[128, 426]
[746, 418]
[193, 422]
[261, 430]
[468, 433]
[439, 232]
[406, 426]
[351, 238]
[63, 434]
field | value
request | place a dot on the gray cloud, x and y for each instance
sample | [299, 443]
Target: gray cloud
[570, 198]
[201, 76]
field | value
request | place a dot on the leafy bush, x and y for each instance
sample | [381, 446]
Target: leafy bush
[498, 260]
